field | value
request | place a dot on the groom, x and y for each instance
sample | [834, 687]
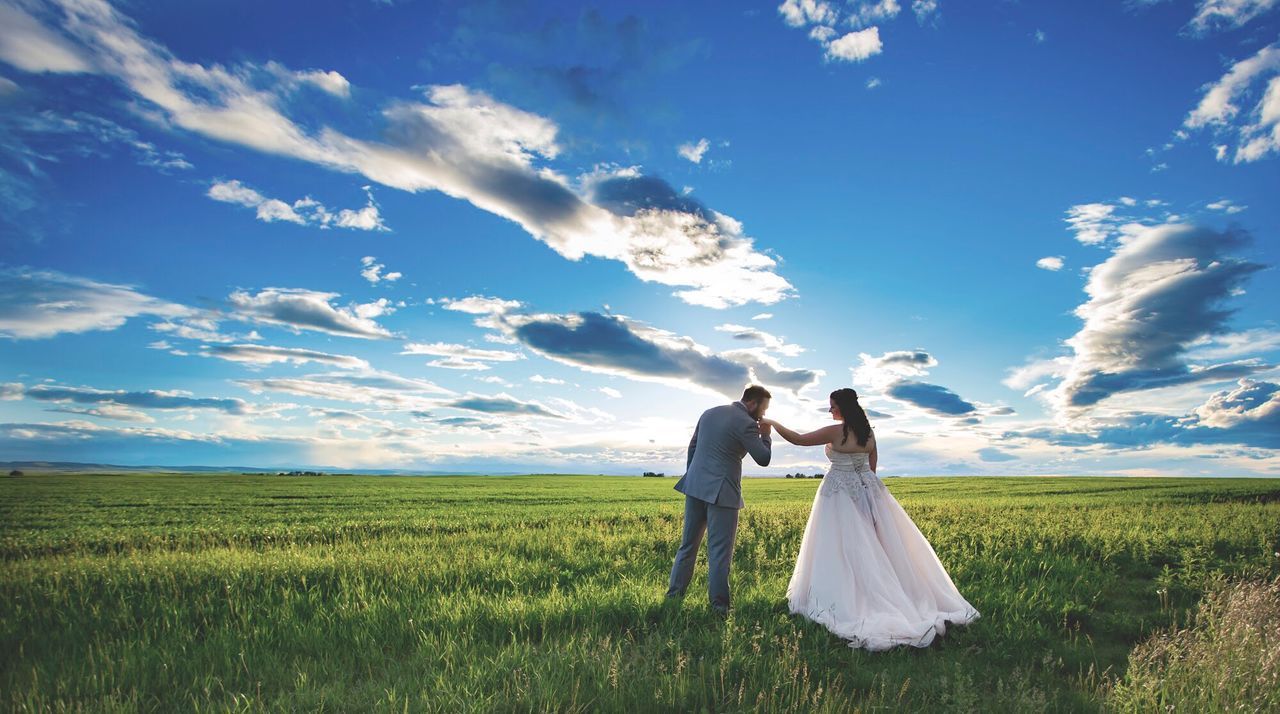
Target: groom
[712, 488]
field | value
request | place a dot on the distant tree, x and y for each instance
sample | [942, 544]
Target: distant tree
[15, 472]
[789, 476]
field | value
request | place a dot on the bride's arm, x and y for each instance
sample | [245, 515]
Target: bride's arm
[813, 438]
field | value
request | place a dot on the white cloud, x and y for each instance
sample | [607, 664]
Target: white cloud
[458, 141]
[868, 12]
[925, 10]
[368, 387]
[1097, 223]
[1092, 222]
[539, 379]
[1214, 15]
[304, 211]
[892, 366]
[458, 363]
[1031, 375]
[693, 151]
[331, 82]
[1257, 132]
[301, 309]
[610, 392]
[481, 305]
[822, 33]
[267, 354]
[856, 46]
[1249, 401]
[1226, 206]
[1052, 262]
[798, 13]
[1233, 345]
[443, 349]
[108, 411]
[202, 327]
[873, 83]
[1157, 297]
[38, 304]
[762, 316]
[373, 271]
[1039, 36]
[822, 19]
[28, 45]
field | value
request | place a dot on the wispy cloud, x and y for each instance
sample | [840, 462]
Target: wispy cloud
[1257, 131]
[299, 309]
[26, 43]
[501, 404]
[458, 141]
[693, 151]
[305, 211]
[372, 271]
[892, 366]
[1219, 15]
[822, 18]
[460, 356]
[368, 387]
[36, 304]
[267, 354]
[149, 399]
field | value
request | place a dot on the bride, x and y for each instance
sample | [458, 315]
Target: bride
[864, 570]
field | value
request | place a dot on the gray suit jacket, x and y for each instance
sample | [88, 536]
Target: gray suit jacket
[713, 472]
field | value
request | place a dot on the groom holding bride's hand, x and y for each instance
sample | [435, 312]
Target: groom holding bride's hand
[712, 485]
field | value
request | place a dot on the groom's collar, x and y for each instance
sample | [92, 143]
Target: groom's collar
[742, 406]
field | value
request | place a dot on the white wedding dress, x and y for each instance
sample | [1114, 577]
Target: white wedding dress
[865, 571]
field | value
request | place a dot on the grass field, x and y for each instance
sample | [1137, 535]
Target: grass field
[179, 592]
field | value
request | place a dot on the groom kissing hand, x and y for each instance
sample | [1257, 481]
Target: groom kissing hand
[712, 485]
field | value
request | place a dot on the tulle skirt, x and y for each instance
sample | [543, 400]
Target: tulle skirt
[867, 573]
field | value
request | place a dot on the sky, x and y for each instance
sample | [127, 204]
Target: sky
[1037, 238]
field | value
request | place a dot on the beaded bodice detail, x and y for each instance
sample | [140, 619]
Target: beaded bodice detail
[850, 473]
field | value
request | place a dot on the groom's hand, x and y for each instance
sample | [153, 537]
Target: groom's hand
[765, 427]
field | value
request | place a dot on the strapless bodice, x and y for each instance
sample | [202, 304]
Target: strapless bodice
[849, 462]
[850, 473]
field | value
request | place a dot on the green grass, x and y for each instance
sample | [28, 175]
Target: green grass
[340, 593]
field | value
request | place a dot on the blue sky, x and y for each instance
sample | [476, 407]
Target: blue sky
[1036, 237]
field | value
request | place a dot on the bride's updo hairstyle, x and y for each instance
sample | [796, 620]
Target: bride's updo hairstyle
[854, 417]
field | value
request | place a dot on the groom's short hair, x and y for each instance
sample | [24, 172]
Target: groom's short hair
[755, 393]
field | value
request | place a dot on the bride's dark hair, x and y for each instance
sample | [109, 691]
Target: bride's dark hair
[852, 414]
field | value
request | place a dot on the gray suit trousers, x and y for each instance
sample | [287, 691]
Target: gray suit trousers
[720, 523]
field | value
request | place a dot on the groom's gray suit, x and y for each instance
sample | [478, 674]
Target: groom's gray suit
[712, 485]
